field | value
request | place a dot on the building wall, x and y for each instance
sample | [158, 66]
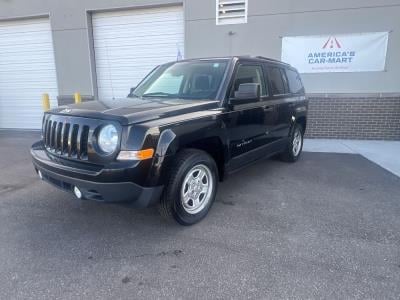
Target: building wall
[269, 20]
[70, 22]
[361, 117]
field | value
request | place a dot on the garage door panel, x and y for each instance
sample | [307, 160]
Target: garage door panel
[126, 74]
[127, 81]
[34, 68]
[30, 82]
[104, 78]
[15, 65]
[27, 70]
[128, 16]
[20, 38]
[120, 24]
[25, 90]
[140, 44]
[31, 35]
[21, 121]
[129, 44]
[146, 42]
[37, 49]
[27, 30]
[162, 57]
[33, 46]
[144, 36]
[152, 27]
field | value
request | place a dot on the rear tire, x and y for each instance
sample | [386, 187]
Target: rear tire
[191, 188]
[295, 145]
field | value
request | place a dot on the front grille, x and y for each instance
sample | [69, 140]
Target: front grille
[66, 136]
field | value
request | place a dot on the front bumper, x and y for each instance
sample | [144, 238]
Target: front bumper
[103, 185]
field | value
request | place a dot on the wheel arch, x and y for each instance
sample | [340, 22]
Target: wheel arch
[170, 144]
[302, 120]
[215, 148]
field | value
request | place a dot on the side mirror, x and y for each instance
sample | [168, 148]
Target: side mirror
[247, 92]
[131, 91]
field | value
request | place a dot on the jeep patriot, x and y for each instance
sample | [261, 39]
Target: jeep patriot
[181, 130]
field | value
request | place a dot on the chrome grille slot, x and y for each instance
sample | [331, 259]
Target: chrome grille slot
[72, 141]
[53, 135]
[64, 138]
[68, 137]
[58, 136]
[48, 132]
[84, 142]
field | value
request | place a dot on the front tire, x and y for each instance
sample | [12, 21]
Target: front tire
[191, 188]
[295, 144]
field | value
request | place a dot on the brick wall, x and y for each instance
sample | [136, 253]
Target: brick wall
[354, 117]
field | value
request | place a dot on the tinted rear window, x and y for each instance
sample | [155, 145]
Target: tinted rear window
[295, 85]
[277, 83]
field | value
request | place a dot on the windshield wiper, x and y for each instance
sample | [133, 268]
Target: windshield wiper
[157, 94]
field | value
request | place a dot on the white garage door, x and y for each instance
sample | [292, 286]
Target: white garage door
[129, 44]
[27, 70]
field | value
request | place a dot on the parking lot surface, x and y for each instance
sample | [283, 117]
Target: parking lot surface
[327, 226]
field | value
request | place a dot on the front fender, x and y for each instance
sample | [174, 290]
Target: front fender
[167, 146]
[167, 143]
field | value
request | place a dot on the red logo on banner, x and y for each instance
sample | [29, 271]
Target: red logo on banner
[331, 43]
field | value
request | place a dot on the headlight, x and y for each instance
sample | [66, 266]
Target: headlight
[108, 139]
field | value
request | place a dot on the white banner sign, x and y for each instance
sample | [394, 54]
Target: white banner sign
[363, 52]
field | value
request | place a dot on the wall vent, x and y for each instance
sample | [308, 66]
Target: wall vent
[231, 11]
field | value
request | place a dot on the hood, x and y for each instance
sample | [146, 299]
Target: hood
[135, 110]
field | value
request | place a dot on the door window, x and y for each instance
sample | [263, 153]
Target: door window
[249, 74]
[277, 81]
[295, 85]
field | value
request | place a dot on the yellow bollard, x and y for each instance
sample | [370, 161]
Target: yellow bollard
[45, 102]
[78, 98]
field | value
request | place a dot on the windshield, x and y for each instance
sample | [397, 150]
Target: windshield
[184, 80]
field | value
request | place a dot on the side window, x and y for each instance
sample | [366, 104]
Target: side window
[295, 85]
[277, 81]
[249, 74]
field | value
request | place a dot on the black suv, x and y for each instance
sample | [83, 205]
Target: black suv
[184, 128]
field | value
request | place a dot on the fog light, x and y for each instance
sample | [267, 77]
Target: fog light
[40, 174]
[77, 192]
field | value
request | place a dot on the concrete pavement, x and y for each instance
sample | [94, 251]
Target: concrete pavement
[384, 153]
[327, 226]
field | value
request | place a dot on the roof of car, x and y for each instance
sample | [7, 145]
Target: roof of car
[242, 57]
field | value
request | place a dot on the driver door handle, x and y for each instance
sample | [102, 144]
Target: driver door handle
[267, 108]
